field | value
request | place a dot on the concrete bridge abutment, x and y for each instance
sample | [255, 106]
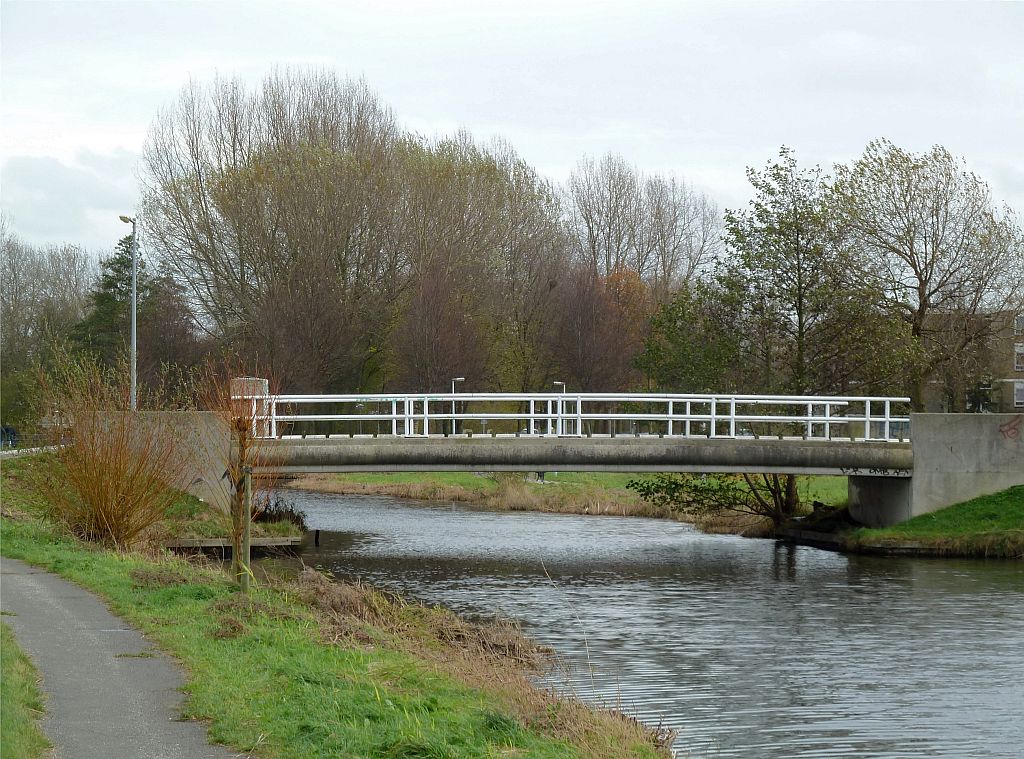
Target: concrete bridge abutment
[957, 457]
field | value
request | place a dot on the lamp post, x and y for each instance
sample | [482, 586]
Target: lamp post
[558, 425]
[134, 356]
[454, 380]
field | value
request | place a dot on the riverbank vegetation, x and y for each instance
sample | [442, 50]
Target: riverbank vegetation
[598, 493]
[989, 526]
[308, 667]
[22, 703]
[562, 492]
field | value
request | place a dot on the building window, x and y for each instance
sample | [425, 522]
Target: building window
[1018, 394]
[1018, 324]
[1018, 357]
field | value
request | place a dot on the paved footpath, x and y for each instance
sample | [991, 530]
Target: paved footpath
[104, 701]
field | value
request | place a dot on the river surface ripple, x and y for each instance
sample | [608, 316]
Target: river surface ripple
[749, 648]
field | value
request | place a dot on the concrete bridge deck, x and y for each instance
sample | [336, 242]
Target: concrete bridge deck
[644, 453]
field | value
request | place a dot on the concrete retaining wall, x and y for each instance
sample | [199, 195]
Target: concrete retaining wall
[204, 440]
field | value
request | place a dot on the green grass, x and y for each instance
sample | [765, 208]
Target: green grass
[609, 481]
[991, 525]
[190, 517]
[21, 703]
[827, 489]
[269, 678]
[466, 480]
[820, 488]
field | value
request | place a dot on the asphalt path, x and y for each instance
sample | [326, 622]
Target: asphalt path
[109, 692]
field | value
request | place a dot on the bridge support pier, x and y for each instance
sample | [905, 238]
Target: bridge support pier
[879, 501]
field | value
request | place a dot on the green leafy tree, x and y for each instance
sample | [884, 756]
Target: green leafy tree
[782, 316]
[814, 326]
[696, 340]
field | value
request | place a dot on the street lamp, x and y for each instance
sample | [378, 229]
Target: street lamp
[132, 397]
[454, 380]
[558, 423]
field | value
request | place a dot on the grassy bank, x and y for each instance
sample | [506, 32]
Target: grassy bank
[21, 704]
[308, 667]
[563, 492]
[992, 525]
[191, 518]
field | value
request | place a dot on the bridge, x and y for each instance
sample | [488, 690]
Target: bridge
[581, 432]
[953, 457]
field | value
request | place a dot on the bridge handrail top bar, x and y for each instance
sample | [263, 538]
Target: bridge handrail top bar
[595, 436]
[739, 418]
[628, 397]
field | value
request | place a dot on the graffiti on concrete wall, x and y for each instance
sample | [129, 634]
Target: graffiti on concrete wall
[1012, 429]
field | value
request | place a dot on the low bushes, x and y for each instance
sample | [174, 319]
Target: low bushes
[114, 473]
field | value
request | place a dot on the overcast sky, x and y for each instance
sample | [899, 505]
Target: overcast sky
[698, 89]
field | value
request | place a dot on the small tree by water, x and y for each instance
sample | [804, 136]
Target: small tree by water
[770, 496]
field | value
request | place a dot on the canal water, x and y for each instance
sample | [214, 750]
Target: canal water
[749, 648]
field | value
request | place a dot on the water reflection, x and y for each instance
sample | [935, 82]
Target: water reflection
[749, 648]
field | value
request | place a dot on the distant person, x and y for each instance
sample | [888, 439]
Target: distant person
[9, 437]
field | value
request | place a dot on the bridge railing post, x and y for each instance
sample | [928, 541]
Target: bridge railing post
[669, 426]
[867, 419]
[714, 422]
[732, 417]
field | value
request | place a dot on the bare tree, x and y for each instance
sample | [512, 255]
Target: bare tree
[605, 213]
[258, 199]
[927, 235]
[599, 329]
[685, 229]
[532, 256]
[43, 293]
[658, 226]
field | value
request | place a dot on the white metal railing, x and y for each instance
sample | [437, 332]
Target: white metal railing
[581, 414]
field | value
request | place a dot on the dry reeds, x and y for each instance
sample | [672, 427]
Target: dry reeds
[512, 494]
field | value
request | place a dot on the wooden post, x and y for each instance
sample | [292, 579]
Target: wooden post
[244, 559]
